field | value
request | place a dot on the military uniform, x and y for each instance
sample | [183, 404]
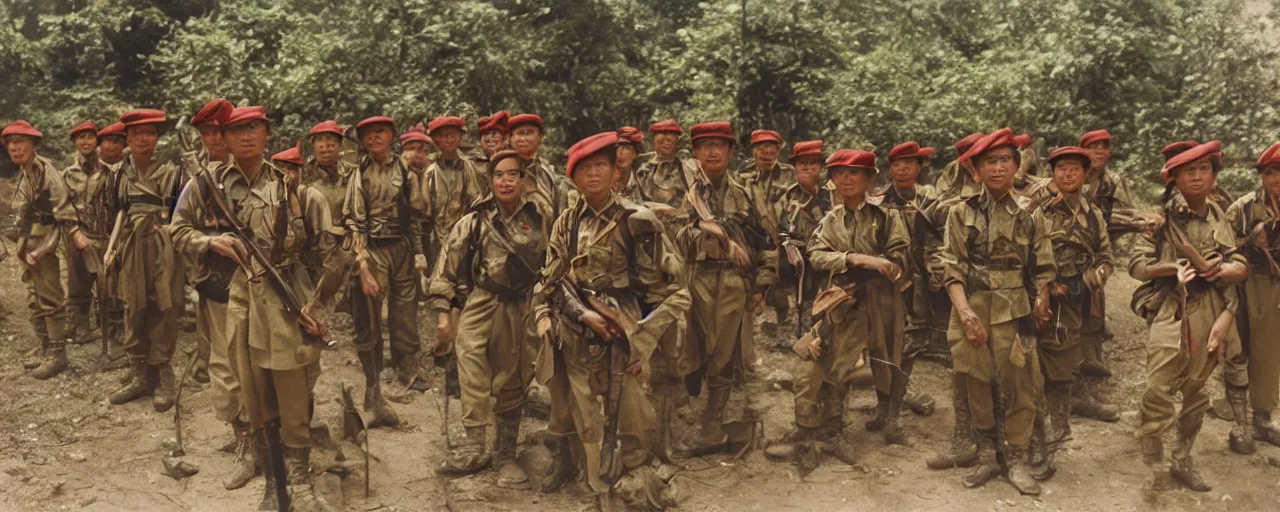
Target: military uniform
[330, 182]
[799, 212]
[542, 184]
[45, 210]
[919, 302]
[448, 190]
[89, 185]
[1258, 319]
[766, 188]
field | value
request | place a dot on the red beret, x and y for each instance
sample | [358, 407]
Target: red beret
[212, 111]
[630, 135]
[292, 155]
[997, 139]
[1172, 150]
[1066, 151]
[715, 129]
[666, 126]
[497, 121]
[1094, 136]
[964, 144]
[242, 115]
[909, 150]
[520, 119]
[86, 126]
[143, 116]
[587, 147]
[447, 122]
[1270, 156]
[1209, 149]
[326, 127]
[112, 129]
[853, 158]
[376, 120]
[760, 136]
[1021, 140]
[414, 136]
[21, 127]
[806, 148]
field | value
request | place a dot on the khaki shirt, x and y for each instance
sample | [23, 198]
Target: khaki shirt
[1079, 235]
[869, 229]
[543, 183]
[449, 188]
[489, 264]
[331, 183]
[665, 182]
[1108, 192]
[89, 188]
[372, 206]
[799, 211]
[1248, 211]
[998, 251]
[766, 188]
[150, 270]
[731, 206]
[44, 201]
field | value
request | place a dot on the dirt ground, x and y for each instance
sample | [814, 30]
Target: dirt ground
[65, 448]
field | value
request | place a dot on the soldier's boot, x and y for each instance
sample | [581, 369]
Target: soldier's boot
[806, 450]
[381, 413]
[166, 390]
[246, 458]
[1092, 364]
[922, 404]
[665, 408]
[711, 437]
[893, 433]
[834, 442]
[470, 456]
[410, 374]
[36, 354]
[80, 326]
[1040, 461]
[1020, 474]
[201, 373]
[783, 449]
[510, 474]
[269, 499]
[1263, 429]
[877, 423]
[55, 364]
[1153, 456]
[1058, 424]
[1088, 406]
[302, 496]
[987, 466]
[139, 386]
[1241, 437]
[963, 451]
[1183, 469]
[563, 468]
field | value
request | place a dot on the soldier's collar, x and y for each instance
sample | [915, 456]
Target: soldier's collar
[603, 212]
[1178, 206]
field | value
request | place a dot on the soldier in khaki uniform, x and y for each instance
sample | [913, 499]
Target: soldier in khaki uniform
[630, 140]
[493, 138]
[955, 180]
[664, 176]
[79, 279]
[1190, 310]
[489, 264]
[151, 271]
[731, 263]
[327, 170]
[1082, 251]
[45, 211]
[272, 358]
[450, 185]
[605, 249]
[541, 181]
[1254, 219]
[766, 180]
[382, 216]
[908, 197]
[798, 212]
[1110, 193]
[998, 257]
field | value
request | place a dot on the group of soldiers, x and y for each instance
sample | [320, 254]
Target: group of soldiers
[626, 283]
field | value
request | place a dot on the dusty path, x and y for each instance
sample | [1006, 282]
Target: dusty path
[64, 448]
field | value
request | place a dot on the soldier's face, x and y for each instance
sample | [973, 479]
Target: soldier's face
[665, 143]
[292, 172]
[86, 142]
[1099, 153]
[22, 149]
[447, 139]
[416, 153]
[142, 139]
[594, 175]
[326, 148]
[851, 182]
[111, 149]
[904, 172]
[213, 141]
[526, 140]
[1195, 180]
[808, 171]
[377, 139]
[713, 154]
[765, 153]
[626, 155]
[1270, 176]
[246, 140]
[505, 181]
[1069, 174]
[995, 169]
[491, 141]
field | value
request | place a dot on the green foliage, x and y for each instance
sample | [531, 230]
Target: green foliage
[856, 73]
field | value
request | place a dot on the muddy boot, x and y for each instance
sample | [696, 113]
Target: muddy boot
[987, 467]
[201, 373]
[711, 437]
[409, 373]
[269, 499]
[1263, 429]
[301, 495]
[1020, 474]
[834, 399]
[1039, 461]
[563, 468]
[139, 386]
[1153, 456]
[510, 474]
[665, 408]
[56, 363]
[841, 449]
[784, 448]
[166, 389]
[806, 450]
[79, 324]
[35, 357]
[876, 424]
[1087, 406]
[920, 403]
[380, 413]
[963, 450]
[1183, 470]
[1241, 437]
[246, 459]
[1058, 423]
[1092, 364]
[470, 456]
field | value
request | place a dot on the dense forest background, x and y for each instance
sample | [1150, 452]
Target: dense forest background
[856, 73]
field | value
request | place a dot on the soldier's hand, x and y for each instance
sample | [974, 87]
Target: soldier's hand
[1042, 312]
[80, 240]
[420, 262]
[229, 246]
[636, 369]
[368, 284]
[713, 228]
[1215, 337]
[974, 332]
[444, 329]
[888, 269]
[597, 324]
[1186, 272]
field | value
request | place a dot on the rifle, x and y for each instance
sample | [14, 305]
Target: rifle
[791, 248]
[108, 262]
[618, 350]
[177, 405]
